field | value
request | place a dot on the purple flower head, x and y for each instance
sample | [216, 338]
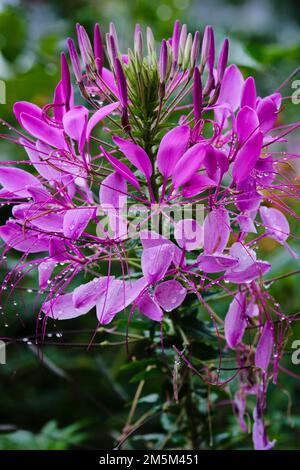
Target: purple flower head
[154, 197]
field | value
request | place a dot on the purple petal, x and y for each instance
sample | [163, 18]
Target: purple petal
[246, 124]
[116, 297]
[62, 308]
[216, 263]
[189, 234]
[156, 261]
[197, 184]
[75, 123]
[75, 221]
[122, 169]
[231, 87]
[247, 157]
[169, 295]
[150, 308]
[151, 239]
[275, 223]
[33, 214]
[41, 161]
[264, 347]
[39, 129]
[188, 164]
[249, 93]
[136, 155]
[267, 113]
[28, 108]
[45, 270]
[29, 241]
[173, 145]
[99, 115]
[216, 231]
[113, 191]
[87, 295]
[57, 249]
[15, 181]
[235, 321]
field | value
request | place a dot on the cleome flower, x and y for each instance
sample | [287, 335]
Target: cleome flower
[163, 134]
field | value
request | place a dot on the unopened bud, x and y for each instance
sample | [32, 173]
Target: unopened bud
[98, 49]
[138, 47]
[195, 49]
[223, 59]
[163, 61]
[182, 41]
[187, 52]
[75, 60]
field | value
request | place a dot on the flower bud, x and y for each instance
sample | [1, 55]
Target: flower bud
[121, 83]
[195, 49]
[223, 59]
[138, 46]
[163, 61]
[182, 41]
[113, 32]
[85, 47]
[175, 44]
[66, 80]
[98, 48]
[75, 60]
[187, 52]
[197, 95]
[150, 42]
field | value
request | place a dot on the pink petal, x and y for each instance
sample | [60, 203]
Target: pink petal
[267, 113]
[276, 224]
[264, 347]
[75, 123]
[29, 108]
[12, 234]
[15, 181]
[122, 169]
[188, 164]
[196, 185]
[216, 231]
[169, 295]
[99, 115]
[235, 321]
[151, 239]
[150, 308]
[76, 220]
[247, 157]
[45, 270]
[116, 297]
[231, 87]
[189, 234]
[62, 308]
[39, 157]
[39, 129]
[216, 263]
[136, 155]
[246, 124]
[156, 261]
[87, 295]
[173, 145]
[249, 93]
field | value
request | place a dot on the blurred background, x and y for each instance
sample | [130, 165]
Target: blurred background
[77, 397]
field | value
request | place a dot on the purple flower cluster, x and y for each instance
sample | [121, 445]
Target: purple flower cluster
[164, 130]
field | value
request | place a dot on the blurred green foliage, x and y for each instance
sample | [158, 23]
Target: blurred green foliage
[43, 393]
